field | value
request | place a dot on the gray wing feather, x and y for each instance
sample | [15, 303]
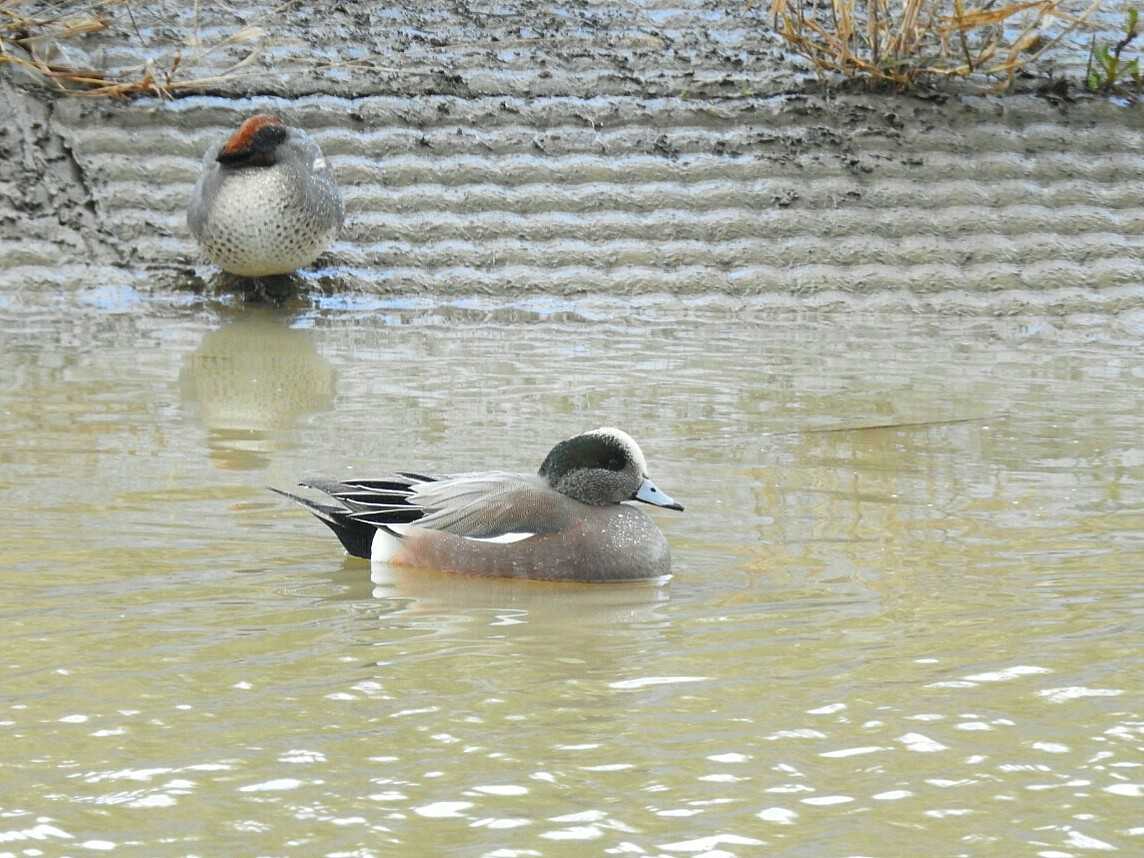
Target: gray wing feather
[489, 504]
[210, 177]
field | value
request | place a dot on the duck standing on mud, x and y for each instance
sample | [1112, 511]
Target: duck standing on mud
[266, 202]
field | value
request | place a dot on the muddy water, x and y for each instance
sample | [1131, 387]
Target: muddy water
[917, 639]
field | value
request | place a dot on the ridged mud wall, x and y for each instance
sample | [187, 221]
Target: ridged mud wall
[497, 182]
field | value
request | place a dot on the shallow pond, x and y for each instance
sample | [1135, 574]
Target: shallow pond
[906, 616]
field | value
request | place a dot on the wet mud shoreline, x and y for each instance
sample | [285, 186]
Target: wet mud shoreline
[682, 157]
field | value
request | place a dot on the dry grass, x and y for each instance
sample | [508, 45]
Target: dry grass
[898, 42]
[905, 42]
[34, 37]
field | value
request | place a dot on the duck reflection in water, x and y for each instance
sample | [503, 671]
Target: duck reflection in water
[250, 381]
[432, 590]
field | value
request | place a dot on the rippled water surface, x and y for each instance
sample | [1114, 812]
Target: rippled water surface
[906, 617]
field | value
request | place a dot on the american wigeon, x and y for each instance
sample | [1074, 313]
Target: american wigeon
[566, 523]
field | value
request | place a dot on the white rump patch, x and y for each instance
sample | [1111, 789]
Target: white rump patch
[385, 544]
[503, 539]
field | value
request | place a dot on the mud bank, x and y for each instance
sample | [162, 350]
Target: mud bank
[627, 153]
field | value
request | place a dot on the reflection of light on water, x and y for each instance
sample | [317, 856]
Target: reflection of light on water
[250, 381]
[443, 809]
[921, 743]
[1074, 692]
[827, 800]
[706, 844]
[276, 785]
[780, 815]
[501, 789]
[644, 681]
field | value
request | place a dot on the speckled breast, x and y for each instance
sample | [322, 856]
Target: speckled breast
[262, 222]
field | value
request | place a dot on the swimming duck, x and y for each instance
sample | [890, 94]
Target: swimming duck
[266, 202]
[568, 522]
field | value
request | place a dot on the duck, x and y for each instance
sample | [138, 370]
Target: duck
[570, 521]
[266, 202]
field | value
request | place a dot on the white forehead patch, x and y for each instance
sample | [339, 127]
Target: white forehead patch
[627, 441]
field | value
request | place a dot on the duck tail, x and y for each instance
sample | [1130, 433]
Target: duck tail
[355, 536]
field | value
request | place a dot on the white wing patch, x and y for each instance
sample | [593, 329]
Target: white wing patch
[503, 538]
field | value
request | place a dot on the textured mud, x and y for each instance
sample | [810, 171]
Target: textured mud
[623, 149]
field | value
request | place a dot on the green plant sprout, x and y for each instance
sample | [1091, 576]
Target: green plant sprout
[1110, 70]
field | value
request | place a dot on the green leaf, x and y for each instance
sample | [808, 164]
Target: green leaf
[1093, 81]
[1132, 16]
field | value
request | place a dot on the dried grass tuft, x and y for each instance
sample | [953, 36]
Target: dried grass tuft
[905, 42]
[35, 39]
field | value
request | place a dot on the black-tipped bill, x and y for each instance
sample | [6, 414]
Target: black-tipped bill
[648, 493]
